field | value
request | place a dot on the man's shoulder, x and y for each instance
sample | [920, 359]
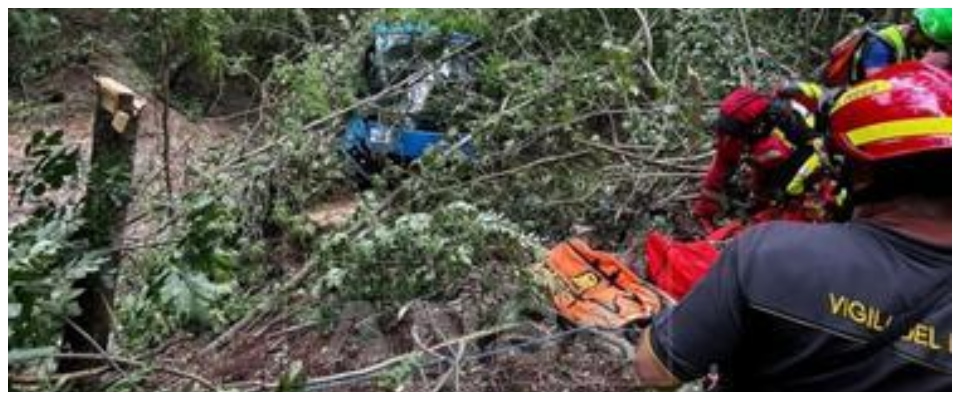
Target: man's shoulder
[796, 239]
[802, 255]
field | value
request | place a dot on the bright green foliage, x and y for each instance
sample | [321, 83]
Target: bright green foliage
[188, 284]
[550, 82]
[32, 29]
[417, 255]
[44, 254]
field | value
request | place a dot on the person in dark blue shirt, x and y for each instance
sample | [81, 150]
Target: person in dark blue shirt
[861, 305]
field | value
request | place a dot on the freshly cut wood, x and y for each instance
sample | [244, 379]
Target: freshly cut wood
[334, 213]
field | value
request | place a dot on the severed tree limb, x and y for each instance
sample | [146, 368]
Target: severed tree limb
[105, 204]
[96, 346]
[528, 166]
[638, 157]
[321, 382]
[131, 363]
[59, 378]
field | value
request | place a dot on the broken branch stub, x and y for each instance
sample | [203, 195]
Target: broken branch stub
[118, 100]
[108, 194]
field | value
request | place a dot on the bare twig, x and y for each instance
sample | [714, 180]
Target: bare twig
[690, 158]
[58, 378]
[606, 23]
[648, 46]
[461, 350]
[676, 193]
[86, 336]
[532, 165]
[453, 371]
[283, 315]
[750, 52]
[292, 329]
[512, 171]
[165, 118]
[248, 319]
[638, 157]
[315, 382]
[786, 68]
[135, 364]
[644, 32]
[815, 26]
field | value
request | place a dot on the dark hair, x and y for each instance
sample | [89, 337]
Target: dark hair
[927, 175]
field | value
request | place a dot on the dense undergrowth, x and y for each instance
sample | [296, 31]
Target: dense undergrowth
[584, 120]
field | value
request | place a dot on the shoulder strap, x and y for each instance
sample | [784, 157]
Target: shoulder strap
[893, 36]
[866, 33]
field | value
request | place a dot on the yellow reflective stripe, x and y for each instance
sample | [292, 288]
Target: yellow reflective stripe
[937, 126]
[777, 133]
[796, 185]
[894, 37]
[811, 90]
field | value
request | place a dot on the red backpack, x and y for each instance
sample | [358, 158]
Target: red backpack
[841, 66]
[676, 267]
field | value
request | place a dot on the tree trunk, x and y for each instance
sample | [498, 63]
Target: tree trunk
[104, 211]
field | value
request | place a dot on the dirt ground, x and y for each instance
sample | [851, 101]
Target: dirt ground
[258, 358]
[65, 101]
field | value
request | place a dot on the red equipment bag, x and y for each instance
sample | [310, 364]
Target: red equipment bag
[675, 267]
[839, 68]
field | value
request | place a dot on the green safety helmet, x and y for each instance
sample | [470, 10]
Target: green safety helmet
[936, 24]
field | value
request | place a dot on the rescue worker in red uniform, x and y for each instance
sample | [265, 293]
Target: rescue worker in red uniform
[776, 136]
[868, 302]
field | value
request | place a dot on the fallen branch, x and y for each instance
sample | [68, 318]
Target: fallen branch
[512, 171]
[453, 371]
[322, 382]
[96, 346]
[255, 313]
[410, 356]
[292, 329]
[294, 282]
[525, 167]
[647, 59]
[690, 158]
[134, 364]
[750, 52]
[59, 378]
[423, 346]
[638, 157]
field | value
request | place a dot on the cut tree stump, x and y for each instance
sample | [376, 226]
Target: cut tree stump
[104, 211]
